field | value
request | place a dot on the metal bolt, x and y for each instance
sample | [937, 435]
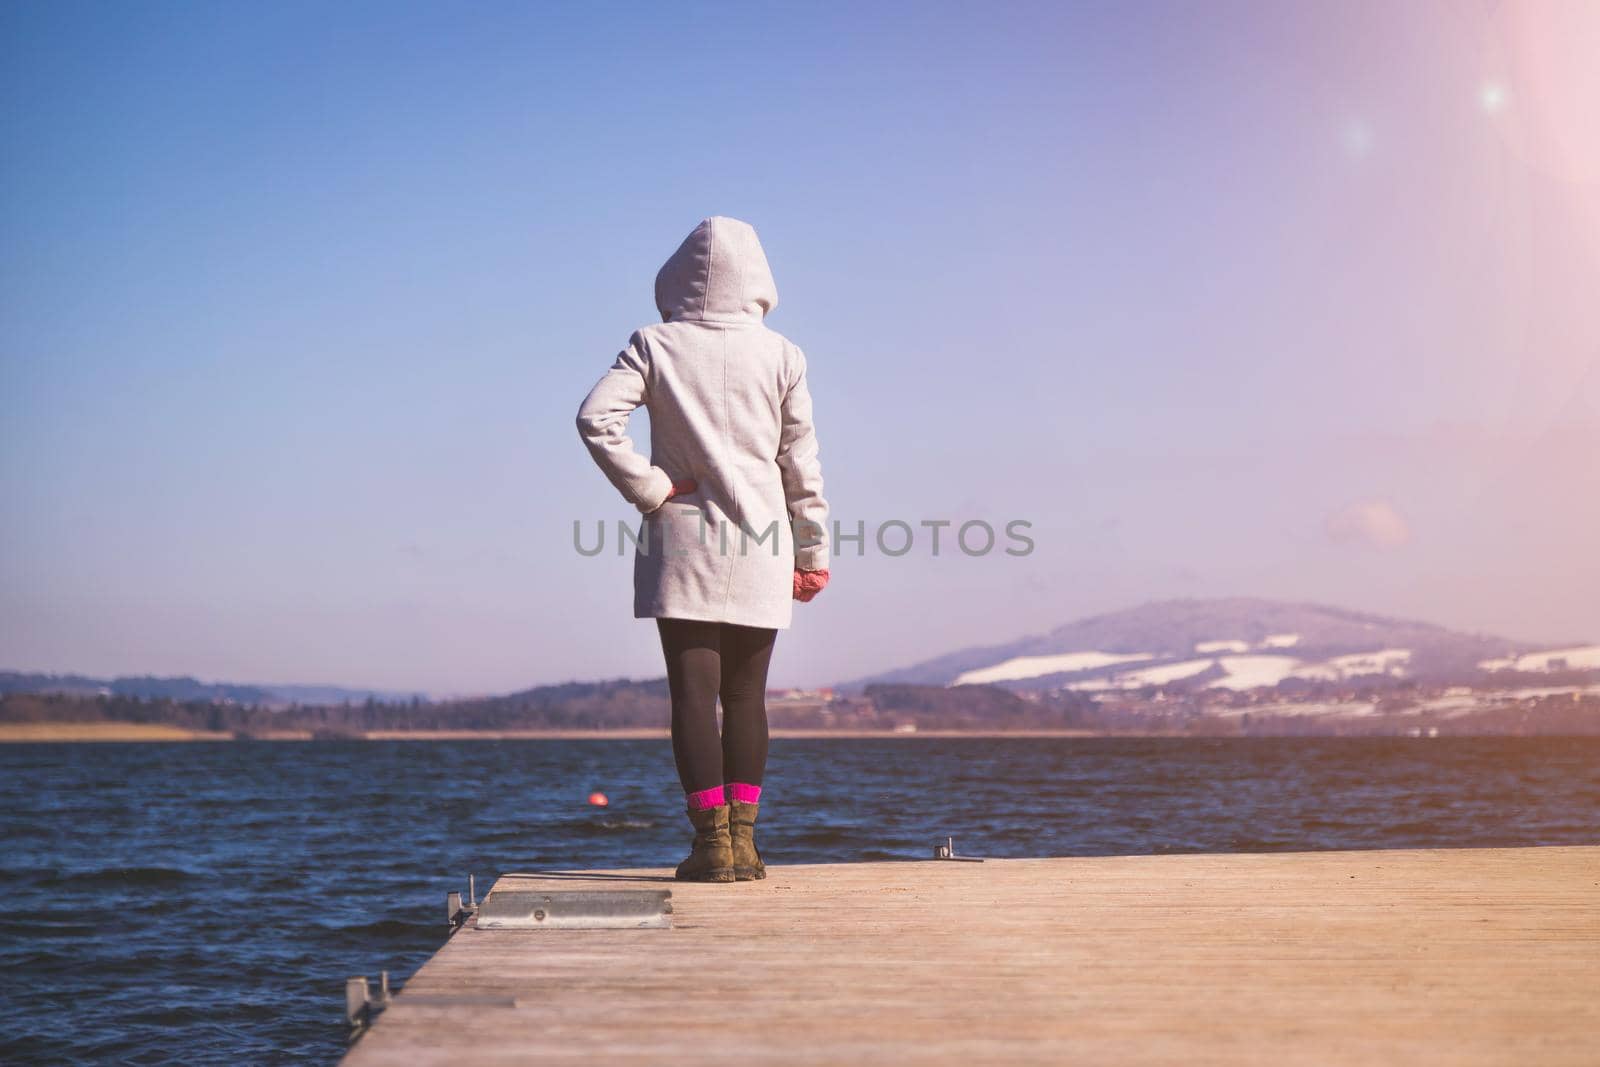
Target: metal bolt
[538, 914]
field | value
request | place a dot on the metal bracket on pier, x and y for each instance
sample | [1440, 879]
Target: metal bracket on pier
[947, 851]
[360, 1006]
[581, 909]
[458, 912]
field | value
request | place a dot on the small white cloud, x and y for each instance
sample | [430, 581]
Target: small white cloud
[1373, 522]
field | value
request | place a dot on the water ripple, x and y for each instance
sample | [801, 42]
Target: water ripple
[195, 904]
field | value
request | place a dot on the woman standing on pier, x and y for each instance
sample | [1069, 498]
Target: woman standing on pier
[734, 516]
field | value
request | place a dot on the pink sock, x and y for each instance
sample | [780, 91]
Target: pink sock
[707, 798]
[744, 792]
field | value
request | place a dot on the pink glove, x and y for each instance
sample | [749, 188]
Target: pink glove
[808, 584]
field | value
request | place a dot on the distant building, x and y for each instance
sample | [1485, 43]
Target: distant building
[825, 693]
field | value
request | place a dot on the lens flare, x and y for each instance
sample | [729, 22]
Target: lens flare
[1356, 138]
[1492, 96]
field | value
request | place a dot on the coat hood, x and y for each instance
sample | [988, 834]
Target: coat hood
[718, 274]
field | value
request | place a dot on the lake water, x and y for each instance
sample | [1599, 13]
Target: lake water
[204, 903]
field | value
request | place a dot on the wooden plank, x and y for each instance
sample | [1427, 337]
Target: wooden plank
[1415, 957]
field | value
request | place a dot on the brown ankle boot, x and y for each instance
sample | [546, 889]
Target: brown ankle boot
[712, 858]
[747, 865]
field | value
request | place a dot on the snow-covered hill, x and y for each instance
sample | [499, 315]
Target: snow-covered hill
[1582, 658]
[1238, 644]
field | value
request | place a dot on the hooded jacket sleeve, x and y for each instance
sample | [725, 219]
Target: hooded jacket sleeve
[802, 473]
[603, 425]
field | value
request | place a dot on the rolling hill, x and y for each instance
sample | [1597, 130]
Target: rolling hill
[1239, 643]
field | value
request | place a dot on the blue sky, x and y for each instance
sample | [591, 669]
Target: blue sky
[298, 302]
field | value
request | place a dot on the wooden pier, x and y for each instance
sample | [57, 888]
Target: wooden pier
[1480, 956]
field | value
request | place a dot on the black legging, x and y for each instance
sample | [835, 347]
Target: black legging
[705, 660]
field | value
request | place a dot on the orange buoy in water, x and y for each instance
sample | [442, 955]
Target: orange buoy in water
[598, 799]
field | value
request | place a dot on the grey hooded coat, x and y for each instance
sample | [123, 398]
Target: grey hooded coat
[729, 409]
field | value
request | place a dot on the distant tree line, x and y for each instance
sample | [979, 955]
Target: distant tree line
[634, 704]
[579, 705]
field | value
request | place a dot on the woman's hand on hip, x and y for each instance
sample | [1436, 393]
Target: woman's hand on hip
[808, 584]
[682, 488]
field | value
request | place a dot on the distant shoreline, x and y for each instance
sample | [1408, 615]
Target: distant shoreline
[55, 732]
[47, 732]
[104, 731]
